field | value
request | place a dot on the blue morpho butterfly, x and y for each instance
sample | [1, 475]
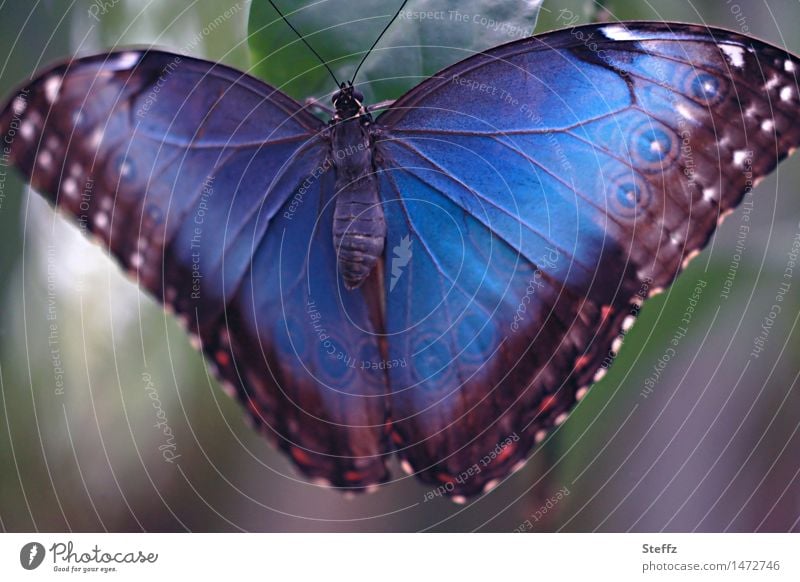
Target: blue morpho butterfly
[441, 282]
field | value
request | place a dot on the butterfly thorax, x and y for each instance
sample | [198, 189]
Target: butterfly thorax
[359, 228]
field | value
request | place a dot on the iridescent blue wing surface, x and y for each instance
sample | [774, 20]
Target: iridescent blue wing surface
[535, 195]
[207, 186]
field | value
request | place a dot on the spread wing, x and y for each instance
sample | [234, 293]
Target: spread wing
[210, 188]
[547, 186]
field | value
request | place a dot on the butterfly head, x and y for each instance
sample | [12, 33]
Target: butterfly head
[348, 102]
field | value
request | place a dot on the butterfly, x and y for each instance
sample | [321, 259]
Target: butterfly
[441, 281]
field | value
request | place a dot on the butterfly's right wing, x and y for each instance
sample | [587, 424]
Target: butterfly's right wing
[207, 185]
[547, 187]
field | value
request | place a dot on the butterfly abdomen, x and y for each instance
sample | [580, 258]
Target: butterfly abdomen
[359, 227]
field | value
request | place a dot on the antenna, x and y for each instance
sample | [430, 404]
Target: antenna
[366, 54]
[311, 48]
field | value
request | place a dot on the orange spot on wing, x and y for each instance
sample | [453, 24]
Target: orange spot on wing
[582, 362]
[223, 358]
[300, 456]
[506, 453]
[444, 478]
[253, 408]
[547, 404]
[352, 475]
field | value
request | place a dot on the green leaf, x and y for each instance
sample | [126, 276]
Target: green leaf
[427, 36]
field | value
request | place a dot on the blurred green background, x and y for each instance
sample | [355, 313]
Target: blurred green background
[713, 446]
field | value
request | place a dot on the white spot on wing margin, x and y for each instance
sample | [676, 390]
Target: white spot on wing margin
[618, 32]
[734, 53]
[51, 87]
[126, 60]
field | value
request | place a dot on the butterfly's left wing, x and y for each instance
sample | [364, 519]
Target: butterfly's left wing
[535, 195]
[212, 189]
